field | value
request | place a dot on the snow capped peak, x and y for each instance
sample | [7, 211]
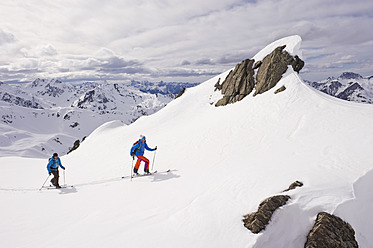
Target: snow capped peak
[292, 43]
[350, 75]
[261, 75]
[349, 86]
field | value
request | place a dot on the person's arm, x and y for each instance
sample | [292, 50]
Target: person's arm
[49, 166]
[59, 163]
[149, 149]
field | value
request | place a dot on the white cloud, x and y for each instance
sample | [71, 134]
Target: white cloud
[162, 38]
[40, 51]
[6, 37]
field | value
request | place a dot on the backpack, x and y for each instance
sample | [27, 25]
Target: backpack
[135, 150]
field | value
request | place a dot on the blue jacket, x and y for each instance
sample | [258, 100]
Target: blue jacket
[54, 164]
[140, 148]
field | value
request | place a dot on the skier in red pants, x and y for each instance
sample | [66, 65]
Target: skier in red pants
[138, 150]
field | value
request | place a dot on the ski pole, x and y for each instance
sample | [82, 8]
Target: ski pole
[44, 182]
[133, 158]
[64, 178]
[154, 159]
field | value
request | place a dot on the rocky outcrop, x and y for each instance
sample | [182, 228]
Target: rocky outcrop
[238, 84]
[350, 90]
[331, 231]
[281, 89]
[75, 146]
[12, 99]
[274, 65]
[294, 185]
[182, 91]
[257, 221]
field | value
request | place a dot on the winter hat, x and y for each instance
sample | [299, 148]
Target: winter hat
[55, 155]
[142, 137]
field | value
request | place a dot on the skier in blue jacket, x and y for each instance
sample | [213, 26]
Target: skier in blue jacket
[138, 150]
[52, 167]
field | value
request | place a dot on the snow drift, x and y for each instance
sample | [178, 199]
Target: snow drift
[224, 161]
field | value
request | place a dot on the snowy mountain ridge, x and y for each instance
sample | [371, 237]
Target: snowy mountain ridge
[63, 113]
[348, 86]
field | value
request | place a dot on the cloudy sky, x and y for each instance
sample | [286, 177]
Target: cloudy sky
[189, 41]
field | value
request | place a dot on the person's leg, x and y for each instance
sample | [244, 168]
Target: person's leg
[146, 161]
[56, 177]
[54, 180]
[137, 165]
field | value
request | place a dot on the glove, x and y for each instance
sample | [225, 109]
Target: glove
[155, 148]
[50, 173]
[133, 157]
[63, 168]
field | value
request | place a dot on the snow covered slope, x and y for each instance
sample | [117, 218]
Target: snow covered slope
[224, 161]
[49, 115]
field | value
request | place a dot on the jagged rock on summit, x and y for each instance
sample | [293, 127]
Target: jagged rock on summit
[273, 66]
[240, 82]
[331, 231]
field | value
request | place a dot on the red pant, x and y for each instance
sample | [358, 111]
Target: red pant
[138, 162]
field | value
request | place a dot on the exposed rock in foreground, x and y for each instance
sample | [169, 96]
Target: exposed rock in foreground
[240, 82]
[331, 231]
[257, 221]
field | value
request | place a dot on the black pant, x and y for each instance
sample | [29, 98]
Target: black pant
[54, 180]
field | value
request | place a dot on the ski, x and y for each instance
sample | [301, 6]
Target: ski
[144, 175]
[54, 187]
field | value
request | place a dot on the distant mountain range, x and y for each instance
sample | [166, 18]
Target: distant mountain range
[47, 116]
[348, 86]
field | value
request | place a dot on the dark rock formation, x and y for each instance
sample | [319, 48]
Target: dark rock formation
[257, 65]
[281, 89]
[294, 185]
[331, 231]
[75, 146]
[75, 124]
[238, 84]
[257, 221]
[218, 85]
[274, 65]
[12, 99]
[182, 91]
[355, 87]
